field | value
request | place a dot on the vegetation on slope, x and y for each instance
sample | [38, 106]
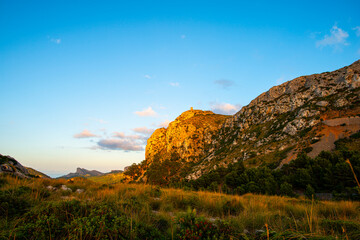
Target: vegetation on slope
[109, 178]
[327, 173]
[30, 209]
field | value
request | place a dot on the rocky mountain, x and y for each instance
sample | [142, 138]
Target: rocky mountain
[82, 172]
[37, 173]
[179, 146]
[10, 166]
[308, 114]
[189, 136]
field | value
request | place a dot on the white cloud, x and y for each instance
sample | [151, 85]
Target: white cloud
[120, 144]
[147, 76]
[144, 130]
[225, 108]
[56, 40]
[85, 134]
[174, 84]
[119, 134]
[164, 124]
[357, 30]
[149, 112]
[336, 38]
[224, 83]
[129, 137]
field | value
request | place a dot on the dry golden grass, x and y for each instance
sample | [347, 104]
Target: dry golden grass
[248, 212]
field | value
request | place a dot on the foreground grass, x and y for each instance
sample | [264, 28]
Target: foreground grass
[30, 209]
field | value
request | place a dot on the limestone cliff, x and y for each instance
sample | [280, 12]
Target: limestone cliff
[188, 136]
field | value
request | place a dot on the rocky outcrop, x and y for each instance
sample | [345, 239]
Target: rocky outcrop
[9, 165]
[188, 136]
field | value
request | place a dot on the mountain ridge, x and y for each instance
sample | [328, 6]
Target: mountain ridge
[272, 129]
[82, 172]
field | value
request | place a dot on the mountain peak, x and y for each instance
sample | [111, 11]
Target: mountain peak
[82, 172]
[275, 127]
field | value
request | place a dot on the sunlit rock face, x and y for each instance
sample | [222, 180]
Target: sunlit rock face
[188, 136]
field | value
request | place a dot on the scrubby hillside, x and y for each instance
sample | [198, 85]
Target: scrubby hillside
[307, 114]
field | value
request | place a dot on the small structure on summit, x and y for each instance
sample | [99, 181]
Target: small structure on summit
[191, 108]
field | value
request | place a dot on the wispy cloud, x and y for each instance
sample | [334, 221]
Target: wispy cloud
[164, 124]
[225, 108]
[55, 40]
[120, 144]
[337, 38]
[144, 130]
[85, 134]
[174, 84]
[224, 83]
[102, 121]
[119, 134]
[183, 36]
[148, 112]
[357, 30]
[147, 76]
[129, 137]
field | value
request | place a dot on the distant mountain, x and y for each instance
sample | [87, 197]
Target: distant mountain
[8, 165]
[82, 172]
[307, 114]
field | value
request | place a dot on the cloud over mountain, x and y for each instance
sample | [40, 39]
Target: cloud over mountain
[225, 108]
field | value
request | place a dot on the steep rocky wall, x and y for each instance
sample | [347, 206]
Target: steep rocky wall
[188, 136]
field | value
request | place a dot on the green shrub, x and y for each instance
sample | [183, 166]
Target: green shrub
[341, 227]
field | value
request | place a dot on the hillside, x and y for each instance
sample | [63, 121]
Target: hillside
[170, 153]
[9, 166]
[108, 178]
[37, 173]
[82, 172]
[307, 114]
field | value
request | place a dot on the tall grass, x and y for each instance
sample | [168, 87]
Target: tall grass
[251, 214]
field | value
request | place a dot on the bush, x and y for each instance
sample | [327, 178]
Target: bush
[310, 192]
[286, 189]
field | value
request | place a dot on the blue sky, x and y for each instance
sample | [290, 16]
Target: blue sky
[84, 83]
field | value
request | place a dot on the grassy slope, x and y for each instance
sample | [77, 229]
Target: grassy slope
[146, 212]
[110, 178]
[36, 173]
